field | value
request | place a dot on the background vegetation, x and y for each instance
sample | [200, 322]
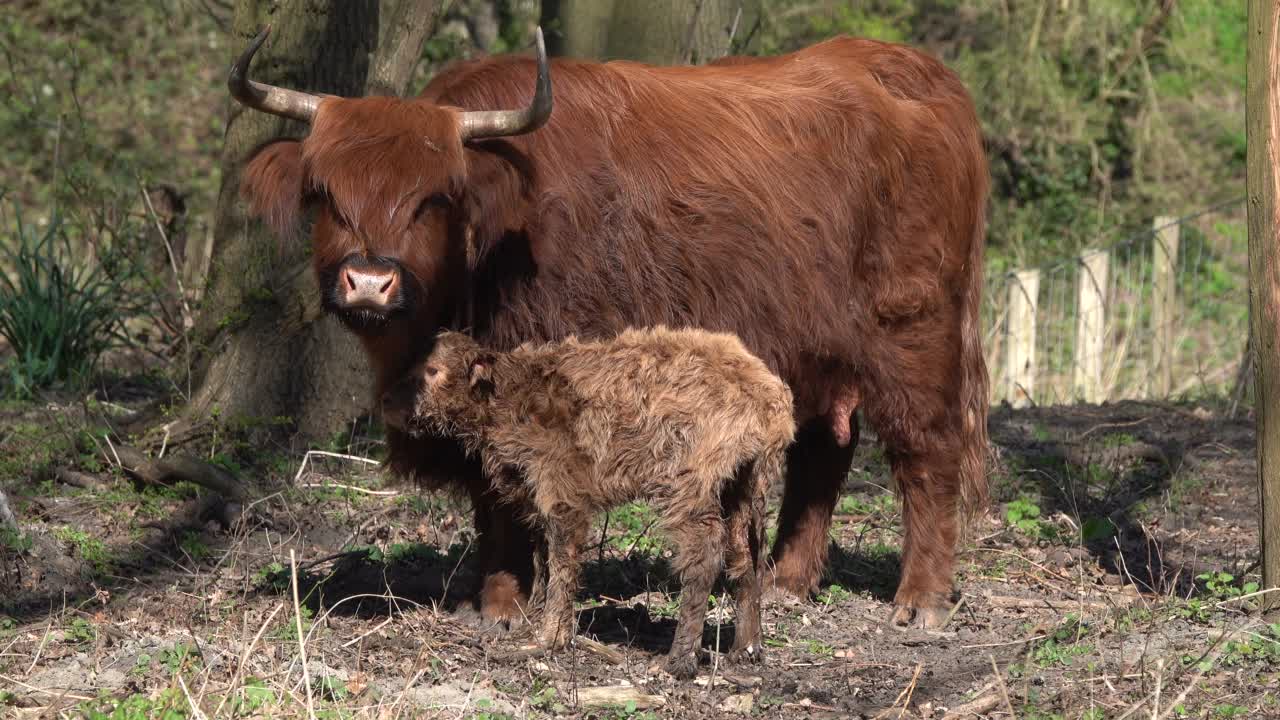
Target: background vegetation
[1098, 115]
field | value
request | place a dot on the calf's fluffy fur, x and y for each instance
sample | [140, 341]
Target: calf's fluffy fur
[687, 420]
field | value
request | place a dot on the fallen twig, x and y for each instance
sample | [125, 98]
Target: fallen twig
[984, 702]
[616, 695]
[302, 639]
[177, 468]
[79, 479]
[1004, 691]
[302, 467]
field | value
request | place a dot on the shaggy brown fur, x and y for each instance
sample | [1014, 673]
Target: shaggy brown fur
[826, 206]
[686, 419]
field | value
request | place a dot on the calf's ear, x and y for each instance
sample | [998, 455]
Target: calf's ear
[272, 184]
[480, 374]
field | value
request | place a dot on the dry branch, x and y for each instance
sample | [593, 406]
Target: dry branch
[7, 518]
[176, 468]
[988, 699]
[616, 695]
[80, 480]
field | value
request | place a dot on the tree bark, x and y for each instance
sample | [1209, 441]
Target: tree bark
[267, 350]
[660, 32]
[1263, 148]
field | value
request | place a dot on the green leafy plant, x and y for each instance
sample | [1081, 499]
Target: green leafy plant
[58, 312]
[1024, 515]
[80, 631]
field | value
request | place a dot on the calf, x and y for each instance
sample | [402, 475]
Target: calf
[688, 420]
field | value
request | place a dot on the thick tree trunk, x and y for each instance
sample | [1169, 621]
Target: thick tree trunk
[662, 32]
[1262, 124]
[267, 351]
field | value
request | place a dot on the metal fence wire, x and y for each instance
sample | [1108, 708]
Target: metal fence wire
[1161, 314]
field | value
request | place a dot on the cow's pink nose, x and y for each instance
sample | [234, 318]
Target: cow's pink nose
[368, 287]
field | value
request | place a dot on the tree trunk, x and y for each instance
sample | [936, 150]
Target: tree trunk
[1262, 124]
[267, 351]
[661, 32]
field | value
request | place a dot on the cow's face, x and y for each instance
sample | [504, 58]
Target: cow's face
[385, 177]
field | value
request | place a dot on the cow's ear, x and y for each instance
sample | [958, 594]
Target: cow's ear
[272, 184]
[480, 374]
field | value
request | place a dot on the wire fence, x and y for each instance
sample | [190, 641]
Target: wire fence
[1162, 314]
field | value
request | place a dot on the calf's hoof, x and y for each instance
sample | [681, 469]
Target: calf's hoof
[927, 611]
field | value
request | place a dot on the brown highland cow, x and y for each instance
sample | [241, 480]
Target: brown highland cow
[826, 206]
[688, 420]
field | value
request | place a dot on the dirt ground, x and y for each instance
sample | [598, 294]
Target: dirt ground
[1113, 578]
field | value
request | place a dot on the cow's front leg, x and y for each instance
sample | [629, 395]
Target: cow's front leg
[506, 547]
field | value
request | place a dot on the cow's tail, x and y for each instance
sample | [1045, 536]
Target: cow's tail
[974, 393]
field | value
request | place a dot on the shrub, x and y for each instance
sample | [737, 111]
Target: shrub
[59, 315]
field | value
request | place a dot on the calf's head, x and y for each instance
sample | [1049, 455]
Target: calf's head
[389, 181]
[445, 394]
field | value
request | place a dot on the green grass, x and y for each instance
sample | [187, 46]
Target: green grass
[88, 548]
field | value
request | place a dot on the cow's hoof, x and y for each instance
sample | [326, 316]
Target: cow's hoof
[502, 606]
[752, 654]
[790, 589]
[922, 618]
[491, 623]
[684, 667]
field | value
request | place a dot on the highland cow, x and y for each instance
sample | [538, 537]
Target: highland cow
[826, 206]
[686, 419]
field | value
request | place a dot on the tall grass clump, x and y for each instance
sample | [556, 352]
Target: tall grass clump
[59, 313]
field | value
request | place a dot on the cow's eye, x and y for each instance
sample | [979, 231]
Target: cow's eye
[432, 201]
[432, 370]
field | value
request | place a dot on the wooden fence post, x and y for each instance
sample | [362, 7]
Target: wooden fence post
[1262, 133]
[1164, 263]
[1091, 325]
[1020, 337]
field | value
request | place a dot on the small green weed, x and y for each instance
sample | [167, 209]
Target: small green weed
[89, 548]
[834, 595]
[1222, 585]
[80, 631]
[178, 658]
[819, 648]
[271, 576]
[881, 504]
[636, 521]
[168, 705]
[1023, 514]
[288, 630]
[1063, 646]
[195, 548]
[14, 541]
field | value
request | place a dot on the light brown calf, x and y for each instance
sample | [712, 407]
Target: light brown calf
[687, 420]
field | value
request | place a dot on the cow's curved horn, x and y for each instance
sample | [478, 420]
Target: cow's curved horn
[292, 104]
[479, 124]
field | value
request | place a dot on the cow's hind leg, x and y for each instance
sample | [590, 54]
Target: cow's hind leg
[816, 469]
[928, 487]
[916, 411]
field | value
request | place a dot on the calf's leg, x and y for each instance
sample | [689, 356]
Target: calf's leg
[699, 541]
[816, 469]
[565, 536]
[744, 561]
